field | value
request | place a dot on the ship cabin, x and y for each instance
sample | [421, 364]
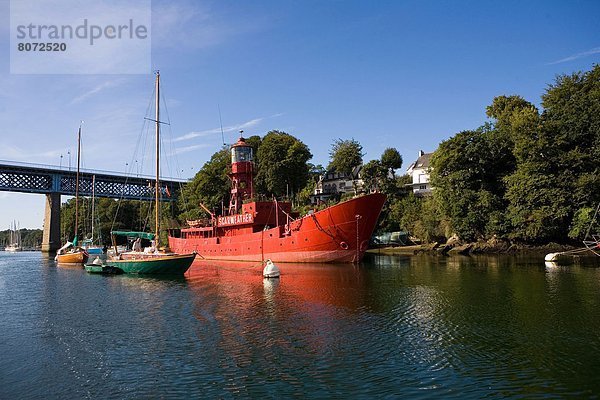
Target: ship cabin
[255, 216]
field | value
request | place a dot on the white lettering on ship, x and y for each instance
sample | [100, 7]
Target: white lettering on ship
[237, 219]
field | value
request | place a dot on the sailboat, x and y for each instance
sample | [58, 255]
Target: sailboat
[88, 244]
[15, 239]
[152, 259]
[71, 253]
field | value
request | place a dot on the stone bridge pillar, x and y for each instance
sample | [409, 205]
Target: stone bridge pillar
[51, 236]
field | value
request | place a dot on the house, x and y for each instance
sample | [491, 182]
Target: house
[419, 170]
[334, 183]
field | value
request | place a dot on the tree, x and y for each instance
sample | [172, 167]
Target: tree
[345, 155]
[373, 173]
[467, 173]
[210, 186]
[283, 164]
[391, 159]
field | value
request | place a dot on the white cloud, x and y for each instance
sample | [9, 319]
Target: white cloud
[226, 129]
[95, 90]
[187, 149]
[194, 25]
[595, 50]
[230, 128]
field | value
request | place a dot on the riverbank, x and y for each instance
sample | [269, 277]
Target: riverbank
[492, 246]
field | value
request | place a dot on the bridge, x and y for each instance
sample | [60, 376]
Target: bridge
[56, 181]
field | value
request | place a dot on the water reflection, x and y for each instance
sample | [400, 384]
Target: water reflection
[420, 326]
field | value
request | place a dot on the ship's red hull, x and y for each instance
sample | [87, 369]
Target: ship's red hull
[339, 233]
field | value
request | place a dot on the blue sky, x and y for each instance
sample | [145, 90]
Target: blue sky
[403, 74]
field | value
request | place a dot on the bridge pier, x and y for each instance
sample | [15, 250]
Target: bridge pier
[51, 235]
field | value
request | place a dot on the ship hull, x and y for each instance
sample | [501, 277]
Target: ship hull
[72, 258]
[337, 234]
[171, 264]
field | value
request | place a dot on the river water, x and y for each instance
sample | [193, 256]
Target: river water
[415, 327]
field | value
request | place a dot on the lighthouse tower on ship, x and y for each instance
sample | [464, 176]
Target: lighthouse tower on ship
[242, 169]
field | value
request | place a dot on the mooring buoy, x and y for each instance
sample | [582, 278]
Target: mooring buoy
[271, 270]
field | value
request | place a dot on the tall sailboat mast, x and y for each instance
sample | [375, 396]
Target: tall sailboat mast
[93, 204]
[77, 181]
[156, 200]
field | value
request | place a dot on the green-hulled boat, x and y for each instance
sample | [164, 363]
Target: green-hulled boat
[152, 259]
[149, 260]
[157, 263]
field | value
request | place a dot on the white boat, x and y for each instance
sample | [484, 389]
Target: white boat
[14, 239]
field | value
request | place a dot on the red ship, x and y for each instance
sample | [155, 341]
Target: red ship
[261, 230]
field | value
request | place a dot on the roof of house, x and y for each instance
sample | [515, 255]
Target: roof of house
[422, 161]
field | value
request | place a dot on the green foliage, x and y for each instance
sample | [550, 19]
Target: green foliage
[345, 155]
[373, 174]
[583, 222]
[557, 160]
[391, 159]
[419, 216]
[210, 186]
[467, 173]
[282, 166]
[530, 176]
[30, 238]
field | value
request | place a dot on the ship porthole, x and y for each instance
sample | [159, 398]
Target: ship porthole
[344, 245]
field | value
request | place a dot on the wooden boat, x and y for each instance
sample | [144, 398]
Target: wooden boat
[261, 230]
[152, 259]
[71, 253]
[77, 256]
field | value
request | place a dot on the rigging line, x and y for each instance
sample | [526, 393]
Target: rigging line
[592, 223]
[221, 123]
[177, 165]
[137, 146]
[170, 133]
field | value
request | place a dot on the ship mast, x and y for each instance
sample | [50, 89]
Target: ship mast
[156, 200]
[77, 181]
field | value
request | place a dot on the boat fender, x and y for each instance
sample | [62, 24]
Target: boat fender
[344, 245]
[271, 270]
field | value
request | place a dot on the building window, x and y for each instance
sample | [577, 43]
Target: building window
[422, 187]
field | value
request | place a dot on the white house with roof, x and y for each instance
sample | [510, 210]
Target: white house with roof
[419, 171]
[333, 183]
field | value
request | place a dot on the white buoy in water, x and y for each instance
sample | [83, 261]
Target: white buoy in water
[551, 256]
[550, 265]
[97, 261]
[271, 270]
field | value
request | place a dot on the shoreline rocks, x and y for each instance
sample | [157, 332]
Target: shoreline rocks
[492, 246]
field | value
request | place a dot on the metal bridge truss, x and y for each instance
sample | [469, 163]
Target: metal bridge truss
[40, 179]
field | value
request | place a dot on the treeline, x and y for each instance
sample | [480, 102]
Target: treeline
[30, 238]
[527, 175]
